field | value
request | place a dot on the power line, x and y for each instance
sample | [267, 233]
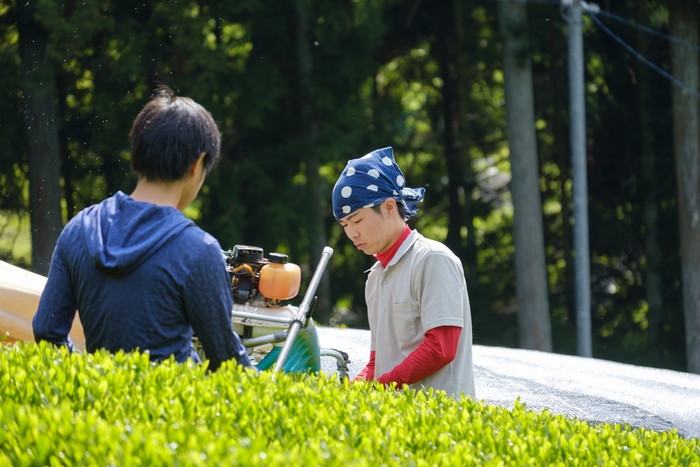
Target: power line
[552, 2]
[595, 9]
[650, 30]
[641, 57]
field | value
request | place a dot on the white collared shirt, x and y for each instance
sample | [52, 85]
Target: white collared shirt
[422, 288]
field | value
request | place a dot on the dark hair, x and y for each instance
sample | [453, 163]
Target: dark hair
[169, 135]
[399, 209]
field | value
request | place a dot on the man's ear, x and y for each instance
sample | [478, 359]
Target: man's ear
[390, 207]
[193, 168]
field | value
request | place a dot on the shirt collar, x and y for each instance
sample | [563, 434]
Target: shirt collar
[388, 255]
[410, 240]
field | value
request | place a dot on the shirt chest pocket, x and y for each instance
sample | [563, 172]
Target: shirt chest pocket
[406, 321]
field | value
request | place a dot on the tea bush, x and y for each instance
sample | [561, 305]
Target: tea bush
[58, 408]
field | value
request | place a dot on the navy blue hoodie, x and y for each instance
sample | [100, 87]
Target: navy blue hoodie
[142, 277]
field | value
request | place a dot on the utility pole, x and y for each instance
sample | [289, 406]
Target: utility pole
[577, 117]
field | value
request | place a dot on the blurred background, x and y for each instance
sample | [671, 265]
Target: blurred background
[474, 97]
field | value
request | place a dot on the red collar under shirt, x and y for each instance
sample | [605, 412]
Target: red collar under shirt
[388, 255]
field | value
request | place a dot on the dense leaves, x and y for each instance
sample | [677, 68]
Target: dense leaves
[58, 408]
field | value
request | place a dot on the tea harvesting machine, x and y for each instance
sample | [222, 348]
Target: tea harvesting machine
[282, 337]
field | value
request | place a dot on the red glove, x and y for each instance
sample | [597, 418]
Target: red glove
[368, 372]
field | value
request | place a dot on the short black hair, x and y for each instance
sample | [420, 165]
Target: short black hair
[401, 211]
[169, 135]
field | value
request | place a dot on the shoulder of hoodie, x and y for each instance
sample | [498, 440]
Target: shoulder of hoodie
[195, 247]
[70, 232]
[193, 235]
[74, 222]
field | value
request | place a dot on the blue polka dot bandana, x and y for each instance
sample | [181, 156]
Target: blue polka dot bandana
[369, 180]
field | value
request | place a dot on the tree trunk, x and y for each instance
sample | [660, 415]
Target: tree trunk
[462, 142]
[314, 182]
[446, 53]
[64, 151]
[652, 248]
[531, 274]
[683, 18]
[41, 133]
[563, 161]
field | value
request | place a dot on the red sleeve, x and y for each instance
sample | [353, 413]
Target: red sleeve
[438, 349]
[368, 372]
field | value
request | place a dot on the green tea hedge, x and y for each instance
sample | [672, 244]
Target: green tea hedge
[58, 408]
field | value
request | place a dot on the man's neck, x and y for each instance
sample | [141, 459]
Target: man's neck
[397, 231]
[158, 193]
[386, 256]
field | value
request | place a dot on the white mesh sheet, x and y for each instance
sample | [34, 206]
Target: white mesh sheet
[588, 389]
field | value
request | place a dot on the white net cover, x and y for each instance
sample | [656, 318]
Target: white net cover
[591, 390]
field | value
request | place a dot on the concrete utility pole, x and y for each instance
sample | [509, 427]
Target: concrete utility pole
[577, 116]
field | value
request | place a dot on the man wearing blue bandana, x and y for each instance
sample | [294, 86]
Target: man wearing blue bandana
[416, 294]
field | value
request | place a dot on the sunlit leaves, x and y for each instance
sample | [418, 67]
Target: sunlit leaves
[63, 409]
[232, 39]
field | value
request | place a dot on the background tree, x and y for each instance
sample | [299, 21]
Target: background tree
[41, 135]
[298, 88]
[649, 185]
[684, 25]
[530, 270]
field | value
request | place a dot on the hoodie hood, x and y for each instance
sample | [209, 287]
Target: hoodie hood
[120, 233]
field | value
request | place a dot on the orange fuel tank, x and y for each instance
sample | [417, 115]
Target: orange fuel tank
[279, 280]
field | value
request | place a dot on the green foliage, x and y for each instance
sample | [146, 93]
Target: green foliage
[15, 246]
[13, 168]
[375, 78]
[58, 408]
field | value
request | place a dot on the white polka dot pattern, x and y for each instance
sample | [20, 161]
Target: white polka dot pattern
[368, 181]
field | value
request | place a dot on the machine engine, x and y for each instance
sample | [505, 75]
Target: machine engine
[258, 281]
[270, 330]
[258, 285]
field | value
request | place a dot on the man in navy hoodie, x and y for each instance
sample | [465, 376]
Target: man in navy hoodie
[143, 276]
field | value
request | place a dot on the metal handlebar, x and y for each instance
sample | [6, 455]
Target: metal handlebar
[300, 316]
